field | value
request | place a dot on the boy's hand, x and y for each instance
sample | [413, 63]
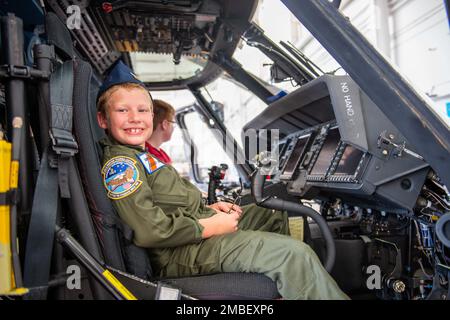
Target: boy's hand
[226, 207]
[220, 223]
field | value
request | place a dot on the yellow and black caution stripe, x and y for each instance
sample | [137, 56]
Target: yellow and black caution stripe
[118, 285]
[5, 234]
[8, 181]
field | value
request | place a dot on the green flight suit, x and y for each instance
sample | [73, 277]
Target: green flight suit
[163, 209]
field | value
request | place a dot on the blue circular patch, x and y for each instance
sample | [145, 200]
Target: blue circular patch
[120, 177]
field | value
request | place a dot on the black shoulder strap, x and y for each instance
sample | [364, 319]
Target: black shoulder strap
[53, 172]
[41, 231]
[64, 144]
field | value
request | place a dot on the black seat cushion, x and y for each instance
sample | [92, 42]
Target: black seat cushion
[227, 286]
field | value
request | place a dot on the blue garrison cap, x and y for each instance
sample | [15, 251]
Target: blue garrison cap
[120, 73]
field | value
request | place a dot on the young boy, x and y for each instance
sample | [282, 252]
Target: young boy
[163, 126]
[183, 236]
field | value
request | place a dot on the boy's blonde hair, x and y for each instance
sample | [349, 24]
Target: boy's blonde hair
[103, 100]
[162, 111]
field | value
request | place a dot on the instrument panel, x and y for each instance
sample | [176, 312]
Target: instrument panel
[335, 142]
[322, 155]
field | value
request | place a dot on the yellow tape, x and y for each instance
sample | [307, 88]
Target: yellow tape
[14, 174]
[118, 285]
[5, 165]
[4, 226]
[16, 292]
[6, 272]
[296, 227]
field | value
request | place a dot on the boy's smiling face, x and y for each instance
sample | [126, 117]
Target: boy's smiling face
[129, 116]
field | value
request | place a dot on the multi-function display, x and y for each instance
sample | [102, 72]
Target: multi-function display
[351, 157]
[295, 157]
[326, 153]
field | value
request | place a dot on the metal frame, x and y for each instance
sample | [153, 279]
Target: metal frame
[17, 128]
[379, 80]
[235, 70]
[15, 94]
[187, 139]
[255, 37]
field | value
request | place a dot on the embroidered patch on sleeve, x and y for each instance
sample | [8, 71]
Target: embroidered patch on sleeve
[120, 177]
[150, 163]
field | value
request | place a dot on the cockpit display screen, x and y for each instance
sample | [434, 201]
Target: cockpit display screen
[326, 153]
[295, 157]
[349, 162]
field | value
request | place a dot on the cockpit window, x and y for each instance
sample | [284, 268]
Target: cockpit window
[210, 152]
[239, 104]
[384, 26]
[155, 67]
[292, 34]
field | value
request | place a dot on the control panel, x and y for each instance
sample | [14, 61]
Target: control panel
[340, 146]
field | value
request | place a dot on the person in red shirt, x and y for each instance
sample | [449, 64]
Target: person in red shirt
[163, 126]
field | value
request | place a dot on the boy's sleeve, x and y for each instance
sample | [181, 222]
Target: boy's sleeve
[133, 201]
